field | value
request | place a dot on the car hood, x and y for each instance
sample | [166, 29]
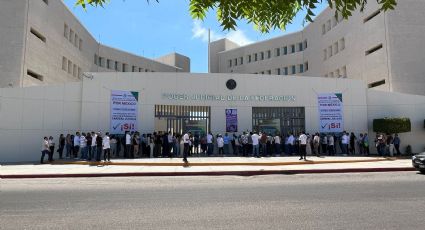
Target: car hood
[420, 154]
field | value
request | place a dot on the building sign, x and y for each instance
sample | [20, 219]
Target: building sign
[209, 97]
[231, 120]
[124, 113]
[331, 117]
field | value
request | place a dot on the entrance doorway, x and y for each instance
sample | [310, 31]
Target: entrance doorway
[282, 120]
[181, 119]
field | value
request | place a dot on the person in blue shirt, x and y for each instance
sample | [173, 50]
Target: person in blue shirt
[226, 140]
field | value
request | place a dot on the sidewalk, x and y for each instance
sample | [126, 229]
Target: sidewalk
[206, 166]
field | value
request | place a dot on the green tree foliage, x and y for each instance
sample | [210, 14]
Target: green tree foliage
[391, 125]
[264, 14]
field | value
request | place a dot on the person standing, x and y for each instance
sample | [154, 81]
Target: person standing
[170, 144]
[390, 145]
[89, 140]
[186, 141]
[263, 142]
[255, 145]
[113, 143]
[44, 149]
[237, 147]
[344, 142]
[106, 148]
[233, 138]
[324, 143]
[61, 145]
[83, 146]
[277, 144]
[244, 144]
[290, 144]
[366, 144]
[226, 143]
[220, 145]
[76, 144]
[99, 143]
[51, 148]
[135, 144]
[353, 139]
[303, 146]
[316, 144]
[396, 142]
[93, 151]
[331, 145]
[68, 145]
[210, 147]
[127, 144]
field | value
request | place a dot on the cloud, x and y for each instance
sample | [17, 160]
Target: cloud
[200, 32]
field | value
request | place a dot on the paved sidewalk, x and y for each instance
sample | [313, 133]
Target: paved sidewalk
[206, 166]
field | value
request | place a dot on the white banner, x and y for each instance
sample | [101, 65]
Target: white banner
[331, 112]
[124, 112]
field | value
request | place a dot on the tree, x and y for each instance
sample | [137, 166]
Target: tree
[391, 125]
[264, 14]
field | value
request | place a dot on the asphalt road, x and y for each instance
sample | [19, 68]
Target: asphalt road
[326, 201]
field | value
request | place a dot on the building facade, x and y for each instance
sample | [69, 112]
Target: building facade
[42, 42]
[384, 49]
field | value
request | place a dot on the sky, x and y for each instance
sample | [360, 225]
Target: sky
[156, 29]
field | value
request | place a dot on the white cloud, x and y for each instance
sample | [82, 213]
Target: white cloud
[200, 32]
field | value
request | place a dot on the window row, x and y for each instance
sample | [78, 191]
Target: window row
[117, 66]
[288, 70]
[72, 37]
[333, 49]
[331, 23]
[71, 68]
[338, 73]
[280, 51]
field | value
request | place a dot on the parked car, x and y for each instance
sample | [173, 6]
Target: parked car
[418, 161]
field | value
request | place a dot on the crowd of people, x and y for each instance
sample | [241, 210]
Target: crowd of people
[92, 145]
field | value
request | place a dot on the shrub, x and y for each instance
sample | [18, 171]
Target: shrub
[391, 125]
[408, 150]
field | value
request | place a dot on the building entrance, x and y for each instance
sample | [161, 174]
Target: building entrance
[181, 119]
[282, 120]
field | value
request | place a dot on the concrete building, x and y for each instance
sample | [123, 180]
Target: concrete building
[42, 42]
[172, 101]
[385, 50]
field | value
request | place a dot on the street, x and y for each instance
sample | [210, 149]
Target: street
[315, 201]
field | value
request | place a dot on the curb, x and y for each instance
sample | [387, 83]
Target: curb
[219, 163]
[217, 173]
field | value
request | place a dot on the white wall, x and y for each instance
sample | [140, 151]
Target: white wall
[385, 104]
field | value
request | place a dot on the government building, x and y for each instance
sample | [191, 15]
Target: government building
[334, 75]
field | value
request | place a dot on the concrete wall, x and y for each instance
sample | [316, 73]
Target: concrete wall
[384, 104]
[30, 113]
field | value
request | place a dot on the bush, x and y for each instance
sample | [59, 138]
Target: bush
[391, 125]
[409, 150]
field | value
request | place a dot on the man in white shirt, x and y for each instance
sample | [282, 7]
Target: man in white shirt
[344, 141]
[303, 146]
[290, 144]
[186, 140]
[255, 145]
[44, 149]
[76, 144]
[277, 144]
[127, 144]
[106, 147]
[93, 145]
[83, 146]
[331, 145]
[210, 146]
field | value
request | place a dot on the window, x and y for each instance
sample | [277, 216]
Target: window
[74, 70]
[328, 25]
[241, 60]
[230, 63]
[285, 50]
[301, 68]
[124, 67]
[377, 83]
[374, 14]
[374, 49]
[146, 70]
[269, 72]
[100, 63]
[80, 44]
[336, 47]
[306, 66]
[71, 36]
[330, 51]
[325, 54]
[96, 58]
[134, 69]
[79, 73]
[34, 75]
[323, 29]
[65, 31]
[116, 66]
[64, 63]
[335, 20]
[255, 57]
[69, 67]
[249, 58]
[38, 35]
[46, 1]
[76, 40]
[285, 71]
[262, 55]
[292, 49]
[140, 69]
[277, 52]
[278, 71]
[294, 71]
[236, 61]
[305, 44]
[300, 46]
[109, 64]
[342, 44]
[269, 54]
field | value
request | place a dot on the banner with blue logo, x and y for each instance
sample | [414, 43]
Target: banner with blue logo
[231, 120]
[331, 112]
[124, 112]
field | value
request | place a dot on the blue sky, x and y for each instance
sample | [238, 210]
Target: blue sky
[155, 29]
